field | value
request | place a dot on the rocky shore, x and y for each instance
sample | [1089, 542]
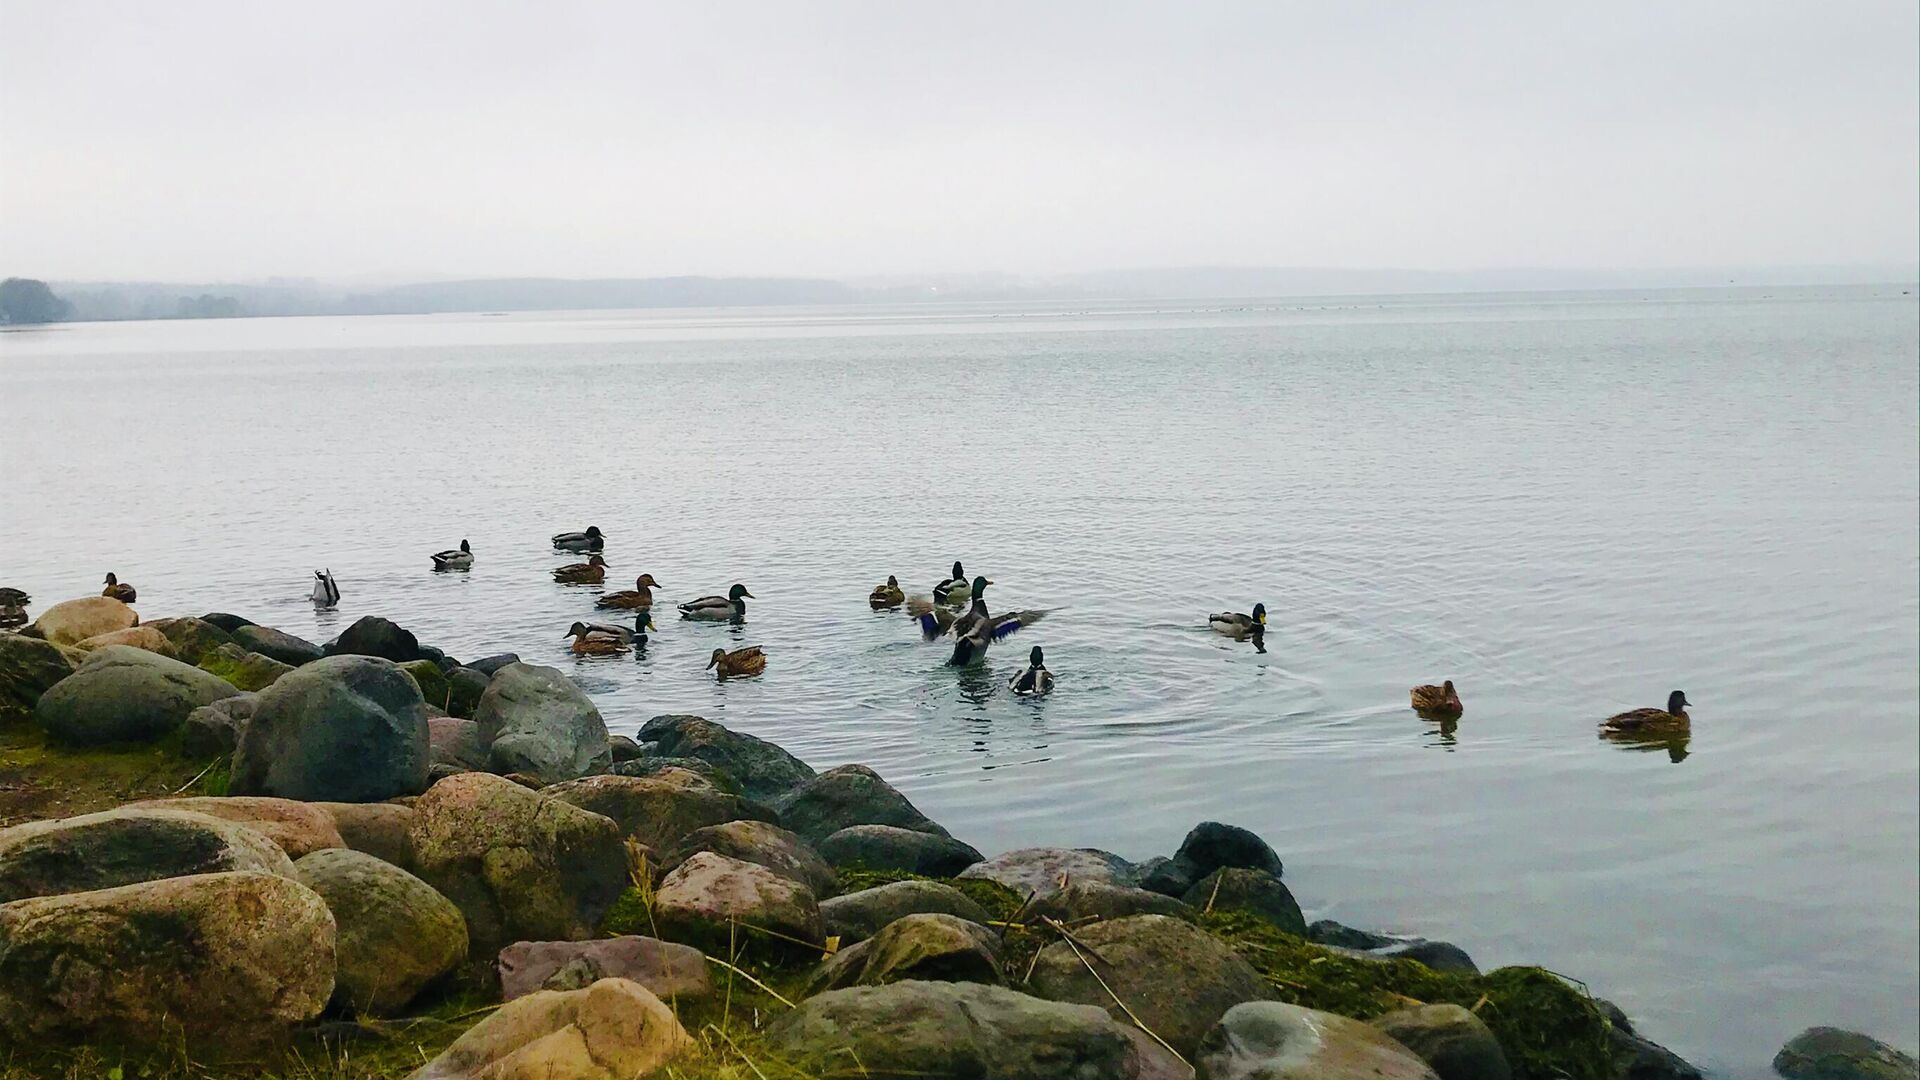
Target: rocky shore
[392, 863]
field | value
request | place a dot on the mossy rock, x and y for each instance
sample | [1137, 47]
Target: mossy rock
[432, 682]
[249, 671]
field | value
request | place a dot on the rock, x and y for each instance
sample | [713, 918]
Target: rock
[379, 829]
[226, 622]
[649, 766]
[123, 694]
[1825, 1053]
[214, 730]
[297, 827]
[623, 748]
[763, 844]
[520, 866]
[1635, 1058]
[1208, 847]
[1099, 900]
[29, 667]
[763, 770]
[950, 1029]
[1178, 979]
[670, 971]
[125, 846]
[245, 670]
[341, 729]
[395, 935]
[491, 665]
[192, 638]
[712, 900]
[536, 721]
[857, 916]
[1268, 1040]
[139, 637]
[464, 688]
[278, 645]
[72, 621]
[431, 680]
[1369, 945]
[1451, 1040]
[452, 741]
[612, 1030]
[226, 959]
[1256, 891]
[938, 948]
[1040, 871]
[849, 795]
[371, 635]
[659, 810]
[889, 847]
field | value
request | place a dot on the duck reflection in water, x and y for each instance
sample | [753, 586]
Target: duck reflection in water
[1642, 743]
[976, 683]
[1443, 729]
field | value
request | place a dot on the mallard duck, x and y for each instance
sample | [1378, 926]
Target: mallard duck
[747, 661]
[976, 629]
[591, 572]
[326, 594]
[591, 540]
[955, 589]
[886, 596]
[13, 608]
[640, 596]
[1237, 626]
[934, 620]
[718, 608]
[1436, 701]
[118, 589]
[459, 558]
[590, 641]
[1670, 720]
[1036, 679]
[10, 597]
[635, 634]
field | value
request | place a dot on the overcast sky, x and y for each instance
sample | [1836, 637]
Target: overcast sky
[207, 140]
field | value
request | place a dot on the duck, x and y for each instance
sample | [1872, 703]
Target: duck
[11, 597]
[326, 594]
[747, 661]
[955, 589]
[886, 596]
[590, 540]
[1237, 626]
[13, 607]
[640, 596]
[717, 608]
[977, 628]
[591, 572]
[1036, 679]
[118, 589]
[1436, 701]
[934, 620]
[590, 641]
[459, 558]
[635, 634]
[1671, 720]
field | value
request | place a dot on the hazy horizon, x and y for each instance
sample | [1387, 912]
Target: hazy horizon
[221, 142]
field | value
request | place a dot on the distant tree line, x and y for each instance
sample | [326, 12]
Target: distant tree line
[25, 301]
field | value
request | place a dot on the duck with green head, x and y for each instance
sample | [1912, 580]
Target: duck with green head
[979, 628]
[1672, 720]
[719, 608]
[1035, 679]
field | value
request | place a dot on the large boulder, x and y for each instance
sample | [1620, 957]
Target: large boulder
[371, 635]
[396, 934]
[670, 971]
[1268, 1040]
[465, 687]
[519, 865]
[456, 743]
[939, 948]
[1178, 979]
[849, 795]
[140, 637]
[659, 810]
[250, 671]
[432, 682]
[762, 843]
[278, 644]
[650, 765]
[1451, 1040]
[535, 721]
[713, 901]
[1255, 891]
[214, 730]
[72, 621]
[1372, 945]
[124, 846]
[297, 827]
[1041, 872]
[611, 1030]
[763, 770]
[889, 847]
[1826, 1053]
[29, 667]
[490, 665]
[949, 1029]
[342, 729]
[379, 829]
[224, 959]
[1208, 847]
[1100, 900]
[856, 916]
[192, 638]
[123, 694]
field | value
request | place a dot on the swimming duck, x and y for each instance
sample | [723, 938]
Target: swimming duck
[459, 558]
[747, 661]
[590, 641]
[955, 589]
[1237, 626]
[591, 572]
[1436, 701]
[118, 589]
[10, 597]
[635, 634]
[1036, 679]
[934, 620]
[718, 608]
[640, 596]
[591, 540]
[886, 596]
[13, 608]
[1670, 720]
[977, 628]
[326, 594]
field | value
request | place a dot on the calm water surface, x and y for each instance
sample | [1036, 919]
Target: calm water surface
[1570, 504]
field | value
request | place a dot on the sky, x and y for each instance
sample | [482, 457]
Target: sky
[198, 140]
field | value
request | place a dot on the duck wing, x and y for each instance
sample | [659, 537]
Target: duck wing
[1637, 719]
[1007, 624]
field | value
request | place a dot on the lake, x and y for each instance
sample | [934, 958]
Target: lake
[1570, 504]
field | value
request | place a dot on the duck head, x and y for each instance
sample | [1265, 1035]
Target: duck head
[593, 533]
[892, 582]
[643, 622]
[1036, 658]
[980, 587]
[738, 592]
[959, 572]
[644, 582]
[596, 561]
[576, 630]
[1260, 614]
[111, 580]
[1448, 687]
[464, 548]
[1677, 702]
[718, 656]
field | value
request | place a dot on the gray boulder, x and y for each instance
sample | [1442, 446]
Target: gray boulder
[1255, 891]
[763, 770]
[612, 1030]
[536, 722]
[395, 933]
[1372, 945]
[125, 846]
[660, 810]
[939, 948]
[714, 901]
[671, 971]
[371, 635]
[225, 621]
[277, 644]
[29, 667]
[652, 764]
[192, 638]
[122, 694]
[1100, 900]
[456, 743]
[248, 671]
[1268, 1040]
[1208, 847]
[296, 827]
[1826, 1053]
[70, 622]
[1039, 872]
[889, 847]
[764, 844]
[464, 689]
[379, 829]
[1451, 1040]
[856, 916]
[491, 665]
[214, 730]
[624, 748]
[1637, 1058]
[341, 729]
[849, 795]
